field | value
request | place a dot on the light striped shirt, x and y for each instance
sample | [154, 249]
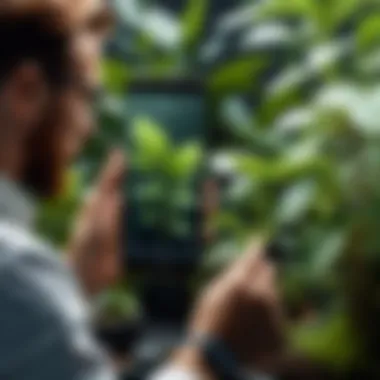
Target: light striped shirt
[45, 329]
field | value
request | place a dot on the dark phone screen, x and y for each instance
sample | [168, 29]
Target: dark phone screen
[166, 133]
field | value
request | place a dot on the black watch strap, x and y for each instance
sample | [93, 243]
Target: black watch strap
[220, 359]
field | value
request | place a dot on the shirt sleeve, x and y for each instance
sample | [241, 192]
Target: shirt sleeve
[174, 373]
[44, 330]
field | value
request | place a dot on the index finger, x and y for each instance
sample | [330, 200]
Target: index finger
[253, 258]
[114, 172]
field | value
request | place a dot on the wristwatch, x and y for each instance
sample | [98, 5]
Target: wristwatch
[219, 358]
[223, 362]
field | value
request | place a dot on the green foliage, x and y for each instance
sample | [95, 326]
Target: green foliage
[166, 169]
[117, 305]
[193, 20]
[333, 343]
[296, 95]
[151, 143]
[115, 75]
[56, 216]
[236, 76]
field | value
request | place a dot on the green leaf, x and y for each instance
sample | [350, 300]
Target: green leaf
[115, 74]
[268, 36]
[163, 28]
[326, 56]
[150, 141]
[236, 76]
[295, 202]
[291, 78]
[368, 33]
[187, 159]
[361, 105]
[295, 120]
[341, 11]
[327, 252]
[117, 305]
[193, 22]
[275, 9]
[332, 342]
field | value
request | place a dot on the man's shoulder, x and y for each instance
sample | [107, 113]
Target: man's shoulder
[44, 320]
[36, 270]
[17, 243]
[36, 282]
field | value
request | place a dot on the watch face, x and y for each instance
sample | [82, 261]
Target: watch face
[220, 358]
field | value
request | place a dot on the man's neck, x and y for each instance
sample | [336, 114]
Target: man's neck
[10, 160]
[16, 206]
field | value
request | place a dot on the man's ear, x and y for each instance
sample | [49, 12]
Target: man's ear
[27, 95]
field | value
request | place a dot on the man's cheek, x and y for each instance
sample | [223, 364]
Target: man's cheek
[79, 128]
[73, 146]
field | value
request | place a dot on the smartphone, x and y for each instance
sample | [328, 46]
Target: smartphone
[165, 135]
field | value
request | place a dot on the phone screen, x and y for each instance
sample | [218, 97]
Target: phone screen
[166, 135]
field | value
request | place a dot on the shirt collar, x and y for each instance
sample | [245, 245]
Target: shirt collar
[15, 205]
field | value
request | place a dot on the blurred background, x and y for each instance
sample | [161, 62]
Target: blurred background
[294, 111]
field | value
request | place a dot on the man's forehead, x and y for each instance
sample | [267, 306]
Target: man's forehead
[88, 43]
[87, 50]
[75, 12]
[90, 12]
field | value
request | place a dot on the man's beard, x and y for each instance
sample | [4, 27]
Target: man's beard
[44, 166]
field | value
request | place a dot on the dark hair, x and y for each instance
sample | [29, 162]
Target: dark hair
[34, 34]
[42, 30]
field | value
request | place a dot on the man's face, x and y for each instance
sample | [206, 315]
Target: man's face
[67, 122]
[78, 100]
[56, 133]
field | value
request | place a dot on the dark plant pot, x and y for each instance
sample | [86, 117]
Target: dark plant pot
[119, 337]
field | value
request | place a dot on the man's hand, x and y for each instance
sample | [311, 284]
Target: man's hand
[241, 309]
[94, 251]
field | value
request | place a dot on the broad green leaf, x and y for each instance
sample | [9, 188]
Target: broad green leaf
[288, 168]
[150, 141]
[187, 159]
[117, 305]
[237, 116]
[323, 57]
[236, 76]
[327, 252]
[295, 202]
[333, 341]
[368, 33]
[163, 28]
[193, 21]
[342, 11]
[291, 78]
[115, 74]
[268, 36]
[237, 18]
[294, 120]
[290, 8]
[362, 105]
[223, 163]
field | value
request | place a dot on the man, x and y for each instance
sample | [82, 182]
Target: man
[50, 52]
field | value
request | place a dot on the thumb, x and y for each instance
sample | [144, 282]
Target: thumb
[113, 172]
